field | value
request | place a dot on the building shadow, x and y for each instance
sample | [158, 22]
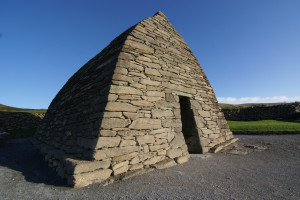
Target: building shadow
[20, 155]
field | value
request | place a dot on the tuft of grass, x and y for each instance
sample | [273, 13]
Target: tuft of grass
[29, 132]
[264, 125]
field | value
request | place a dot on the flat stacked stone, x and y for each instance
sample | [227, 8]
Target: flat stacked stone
[121, 112]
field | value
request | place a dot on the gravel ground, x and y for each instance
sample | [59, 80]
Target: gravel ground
[260, 167]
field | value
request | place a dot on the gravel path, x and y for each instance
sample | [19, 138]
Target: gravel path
[261, 167]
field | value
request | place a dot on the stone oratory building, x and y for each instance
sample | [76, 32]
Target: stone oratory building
[143, 102]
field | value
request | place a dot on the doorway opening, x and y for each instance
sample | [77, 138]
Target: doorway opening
[189, 128]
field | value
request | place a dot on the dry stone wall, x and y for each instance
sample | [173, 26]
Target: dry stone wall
[120, 113]
[286, 111]
[19, 120]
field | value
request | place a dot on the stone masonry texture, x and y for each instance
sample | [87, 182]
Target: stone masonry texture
[128, 109]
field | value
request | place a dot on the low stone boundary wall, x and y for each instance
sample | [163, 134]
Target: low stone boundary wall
[265, 132]
[19, 120]
[263, 112]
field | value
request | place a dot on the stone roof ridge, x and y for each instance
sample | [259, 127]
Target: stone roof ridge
[159, 13]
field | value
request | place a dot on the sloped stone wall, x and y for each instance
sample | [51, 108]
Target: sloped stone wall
[120, 112]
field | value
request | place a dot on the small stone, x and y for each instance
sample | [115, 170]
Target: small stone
[100, 142]
[157, 147]
[136, 166]
[120, 168]
[136, 45]
[118, 106]
[120, 70]
[204, 113]
[142, 103]
[107, 133]
[143, 58]
[145, 139]
[124, 90]
[154, 160]
[153, 72]
[73, 166]
[113, 152]
[125, 157]
[108, 123]
[150, 82]
[155, 94]
[125, 143]
[182, 159]
[84, 179]
[173, 153]
[159, 113]
[165, 163]
[145, 123]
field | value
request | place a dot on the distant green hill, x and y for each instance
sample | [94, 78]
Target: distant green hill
[4, 108]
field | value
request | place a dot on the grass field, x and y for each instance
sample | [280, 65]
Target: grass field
[264, 125]
[4, 108]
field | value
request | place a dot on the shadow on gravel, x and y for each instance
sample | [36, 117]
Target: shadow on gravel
[22, 156]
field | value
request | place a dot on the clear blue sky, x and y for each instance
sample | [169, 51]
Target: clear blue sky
[248, 49]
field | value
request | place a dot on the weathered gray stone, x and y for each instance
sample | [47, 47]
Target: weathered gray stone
[154, 160]
[126, 56]
[204, 113]
[150, 82]
[142, 103]
[162, 130]
[143, 58]
[146, 123]
[125, 143]
[157, 147]
[113, 152]
[155, 94]
[84, 179]
[145, 139]
[124, 90]
[111, 114]
[180, 88]
[178, 140]
[73, 166]
[108, 123]
[165, 164]
[143, 47]
[153, 72]
[125, 157]
[120, 167]
[158, 113]
[133, 115]
[151, 98]
[100, 142]
[118, 106]
[173, 153]
[136, 166]
[107, 133]
[171, 123]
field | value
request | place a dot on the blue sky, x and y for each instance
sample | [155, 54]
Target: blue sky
[250, 49]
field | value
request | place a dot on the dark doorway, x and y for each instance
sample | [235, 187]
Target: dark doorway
[189, 128]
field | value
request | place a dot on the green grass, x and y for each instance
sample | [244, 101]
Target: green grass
[29, 132]
[264, 125]
[9, 109]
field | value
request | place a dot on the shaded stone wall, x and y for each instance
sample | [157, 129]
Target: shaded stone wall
[122, 111]
[278, 112]
[19, 120]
